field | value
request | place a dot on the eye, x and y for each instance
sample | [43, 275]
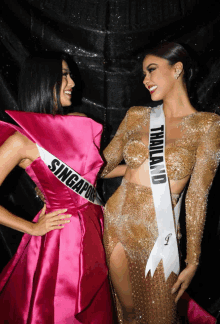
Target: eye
[65, 74]
[150, 70]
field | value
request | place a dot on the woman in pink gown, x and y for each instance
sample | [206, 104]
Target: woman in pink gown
[58, 274]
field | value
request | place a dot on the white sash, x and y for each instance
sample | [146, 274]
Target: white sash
[165, 247]
[69, 177]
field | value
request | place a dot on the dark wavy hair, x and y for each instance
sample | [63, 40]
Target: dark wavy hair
[39, 83]
[173, 53]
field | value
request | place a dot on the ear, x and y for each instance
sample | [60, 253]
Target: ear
[178, 69]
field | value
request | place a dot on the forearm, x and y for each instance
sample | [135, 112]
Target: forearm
[17, 223]
[119, 171]
[195, 221]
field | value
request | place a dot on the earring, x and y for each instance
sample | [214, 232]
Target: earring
[177, 74]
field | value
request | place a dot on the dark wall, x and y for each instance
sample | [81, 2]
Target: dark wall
[107, 40]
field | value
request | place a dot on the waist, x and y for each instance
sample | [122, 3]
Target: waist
[135, 186]
[142, 188]
[72, 208]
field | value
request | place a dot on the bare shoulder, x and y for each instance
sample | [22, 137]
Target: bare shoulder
[77, 114]
[12, 151]
[17, 140]
[19, 145]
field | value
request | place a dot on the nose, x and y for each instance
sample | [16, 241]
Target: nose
[146, 79]
[71, 83]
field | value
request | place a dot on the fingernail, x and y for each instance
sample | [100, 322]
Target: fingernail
[173, 290]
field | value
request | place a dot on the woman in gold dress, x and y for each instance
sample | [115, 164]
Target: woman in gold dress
[192, 155]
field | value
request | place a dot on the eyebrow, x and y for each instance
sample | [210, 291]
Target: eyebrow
[150, 65]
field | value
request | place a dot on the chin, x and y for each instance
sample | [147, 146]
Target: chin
[66, 104]
[156, 98]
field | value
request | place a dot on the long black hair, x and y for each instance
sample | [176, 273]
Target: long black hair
[39, 83]
[173, 53]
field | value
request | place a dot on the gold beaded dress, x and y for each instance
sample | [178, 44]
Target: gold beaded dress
[130, 216]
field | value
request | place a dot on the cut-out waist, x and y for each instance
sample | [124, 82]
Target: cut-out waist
[143, 188]
[141, 177]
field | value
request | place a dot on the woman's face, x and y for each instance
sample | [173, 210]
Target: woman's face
[66, 86]
[159, 77]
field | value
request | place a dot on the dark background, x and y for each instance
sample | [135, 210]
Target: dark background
[107, 41]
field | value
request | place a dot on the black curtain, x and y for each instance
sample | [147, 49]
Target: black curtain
[107, 40]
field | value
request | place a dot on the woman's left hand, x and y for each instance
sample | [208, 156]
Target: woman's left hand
[183, 281]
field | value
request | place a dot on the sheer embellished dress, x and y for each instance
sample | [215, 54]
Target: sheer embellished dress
[130, 222]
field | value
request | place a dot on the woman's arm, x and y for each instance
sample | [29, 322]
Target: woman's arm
[119, 171]
[113, 153]
[207, 160]
[15, 149]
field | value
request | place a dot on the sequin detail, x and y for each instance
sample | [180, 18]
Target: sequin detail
[192, 149]
[134, 153]
[130, 220]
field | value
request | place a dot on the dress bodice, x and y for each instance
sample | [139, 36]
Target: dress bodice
[75, 140]
[180, 156]
[179, 159]
[56, 194]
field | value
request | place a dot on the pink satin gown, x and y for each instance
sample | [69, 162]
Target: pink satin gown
[60, 277]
